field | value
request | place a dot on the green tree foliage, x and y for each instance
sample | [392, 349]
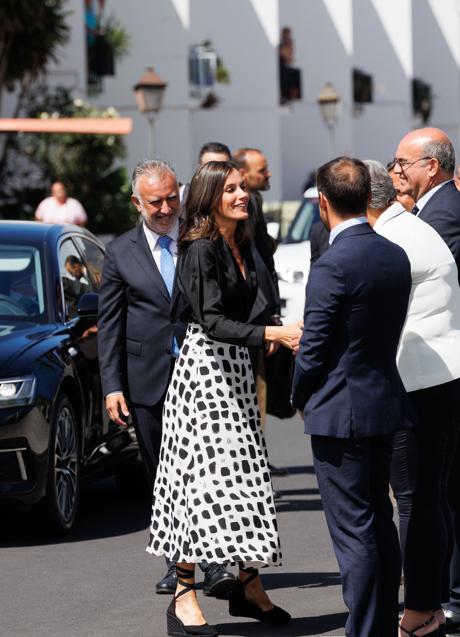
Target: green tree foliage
[89, 165]
[30, 33]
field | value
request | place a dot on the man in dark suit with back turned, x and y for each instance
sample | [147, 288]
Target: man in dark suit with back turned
[347, 385]
[424, 169]
[138, 341]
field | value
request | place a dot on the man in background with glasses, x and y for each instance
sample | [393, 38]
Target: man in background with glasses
[424, 169]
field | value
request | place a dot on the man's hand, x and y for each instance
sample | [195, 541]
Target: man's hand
[116, 408]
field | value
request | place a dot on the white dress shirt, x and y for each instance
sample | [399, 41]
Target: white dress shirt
[429, 348]
[155, 248]
[354, 221]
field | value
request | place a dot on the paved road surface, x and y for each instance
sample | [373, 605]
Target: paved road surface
[100, 582]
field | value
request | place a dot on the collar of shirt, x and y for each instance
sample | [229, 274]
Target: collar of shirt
[390, 213]
[354, 221]
[427, 196]
[155, 248]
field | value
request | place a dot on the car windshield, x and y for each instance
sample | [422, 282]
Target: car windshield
[300, 227]
[22, 294]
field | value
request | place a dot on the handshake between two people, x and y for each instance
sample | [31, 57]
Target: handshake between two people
[287, 335]
[275, 335]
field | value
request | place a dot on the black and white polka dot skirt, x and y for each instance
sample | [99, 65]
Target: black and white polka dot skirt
[213, 497]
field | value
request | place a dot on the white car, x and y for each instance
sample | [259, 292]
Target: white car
[292, 258]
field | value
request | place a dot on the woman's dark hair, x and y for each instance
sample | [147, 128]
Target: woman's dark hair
[203, 199]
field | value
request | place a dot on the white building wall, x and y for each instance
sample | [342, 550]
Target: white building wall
[382, 47]
[322, 36]
[436, 47]
[70, 70]
[393, 40]
[159, 39]
[248, 112]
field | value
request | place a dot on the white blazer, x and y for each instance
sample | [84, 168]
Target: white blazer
[429, 348]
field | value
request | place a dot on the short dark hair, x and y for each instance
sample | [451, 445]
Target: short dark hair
[206, 188]
[346, 183]
[214, 147]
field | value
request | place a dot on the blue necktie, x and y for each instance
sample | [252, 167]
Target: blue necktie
[167, 269]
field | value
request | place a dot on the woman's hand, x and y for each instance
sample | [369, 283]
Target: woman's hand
[287, 335]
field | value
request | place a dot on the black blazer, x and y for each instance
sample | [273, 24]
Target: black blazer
[217, 295]
[263, 247]
[135, 329]
[345, 378]
[319, 241]
[442, 212]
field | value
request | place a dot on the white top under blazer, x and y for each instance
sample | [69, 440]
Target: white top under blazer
[429, 348]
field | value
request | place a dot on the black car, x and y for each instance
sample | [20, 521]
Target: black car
[53, 428]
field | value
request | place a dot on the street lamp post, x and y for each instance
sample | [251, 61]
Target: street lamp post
[328, 101]
[149, 92]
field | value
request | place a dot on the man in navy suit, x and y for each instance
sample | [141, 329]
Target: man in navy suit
[424, 168]
[348, 388]
[138, 340]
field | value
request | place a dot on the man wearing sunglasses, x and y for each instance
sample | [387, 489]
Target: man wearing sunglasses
[424, 169]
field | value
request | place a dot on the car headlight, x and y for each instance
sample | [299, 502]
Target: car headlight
[16, 392]
[291, 276]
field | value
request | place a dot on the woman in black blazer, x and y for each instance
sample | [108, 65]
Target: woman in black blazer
[213, 498]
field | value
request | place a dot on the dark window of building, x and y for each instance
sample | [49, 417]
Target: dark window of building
[422, 99]
[362, 87]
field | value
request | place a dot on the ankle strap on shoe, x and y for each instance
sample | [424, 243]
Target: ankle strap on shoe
[411, 633]
[253, 574]
[184, 574]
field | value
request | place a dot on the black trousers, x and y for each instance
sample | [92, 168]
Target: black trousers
[353, 477]
[421, 465]
[454, 502]
[148, 426]
[147, 422]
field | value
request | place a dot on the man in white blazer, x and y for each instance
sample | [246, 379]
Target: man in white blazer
[429, 365]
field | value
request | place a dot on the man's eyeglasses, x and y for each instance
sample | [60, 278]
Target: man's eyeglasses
[404, 164]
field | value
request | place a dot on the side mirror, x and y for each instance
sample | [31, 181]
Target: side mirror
[88, 305]
[273, 229]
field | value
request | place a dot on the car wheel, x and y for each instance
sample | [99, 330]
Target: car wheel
[59, 506]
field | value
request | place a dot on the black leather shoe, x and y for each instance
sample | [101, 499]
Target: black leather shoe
[167, 585]
[218, 581]
[452, 621]
[279, 472]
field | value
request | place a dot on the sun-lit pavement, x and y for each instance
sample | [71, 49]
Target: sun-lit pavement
[100, 583]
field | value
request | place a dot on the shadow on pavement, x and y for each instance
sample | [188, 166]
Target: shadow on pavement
[300, 580]
[285, 505]
[102, 513]
[301, 469]
[286, 492]
[299, 627]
